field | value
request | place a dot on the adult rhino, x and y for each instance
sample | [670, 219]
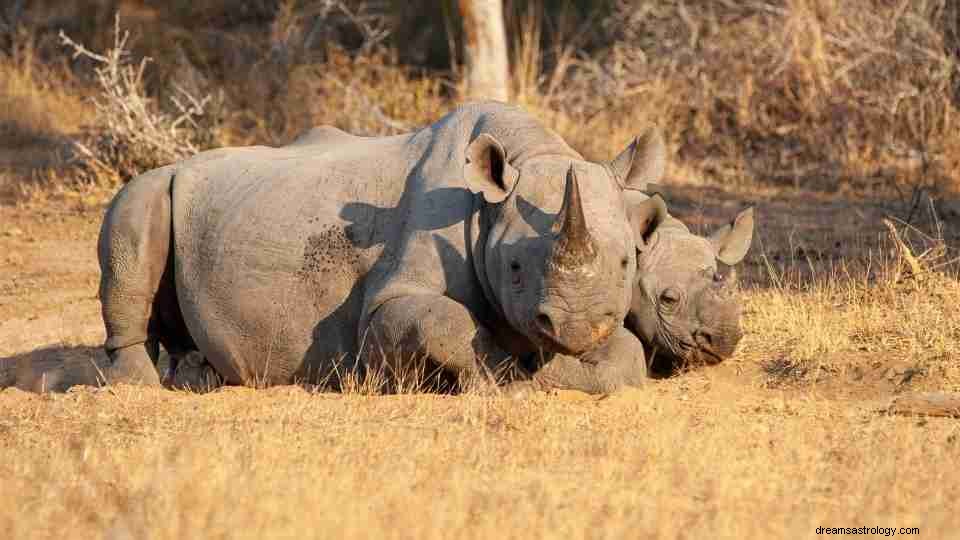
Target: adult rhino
[480, 237]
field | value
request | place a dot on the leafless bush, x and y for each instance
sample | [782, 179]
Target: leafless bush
[816, 93]
[132, 133]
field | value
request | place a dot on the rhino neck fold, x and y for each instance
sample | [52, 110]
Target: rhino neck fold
[478, 233]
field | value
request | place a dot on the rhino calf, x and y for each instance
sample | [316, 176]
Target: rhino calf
[475, 239]
[685, 306]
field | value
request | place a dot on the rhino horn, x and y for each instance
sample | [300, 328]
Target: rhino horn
[574, 246]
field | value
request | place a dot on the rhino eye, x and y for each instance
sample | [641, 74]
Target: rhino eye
[624, 262]
[515, 266]
[669, 297]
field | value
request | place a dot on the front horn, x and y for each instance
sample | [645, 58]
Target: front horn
[574, 246]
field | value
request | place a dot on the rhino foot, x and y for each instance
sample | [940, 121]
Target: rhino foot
[131, 365]
[191, 371]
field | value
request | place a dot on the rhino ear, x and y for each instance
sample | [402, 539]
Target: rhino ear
[487, 171]
[643, 162]
[732, 241]
[645, 217]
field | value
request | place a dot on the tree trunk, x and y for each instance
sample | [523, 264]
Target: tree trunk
[485, 46]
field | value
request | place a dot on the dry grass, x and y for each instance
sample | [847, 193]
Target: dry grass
[41, 109]
[840, 327]
[678, 460]
[38, 103]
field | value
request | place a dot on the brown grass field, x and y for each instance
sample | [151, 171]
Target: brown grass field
[841, 122]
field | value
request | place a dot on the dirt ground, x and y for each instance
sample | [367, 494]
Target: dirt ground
[787, 436]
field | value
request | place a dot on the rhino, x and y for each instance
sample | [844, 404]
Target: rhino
[685, 305]
[476, 240]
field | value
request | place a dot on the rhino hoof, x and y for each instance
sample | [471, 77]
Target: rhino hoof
[131, 366]
[193, 372]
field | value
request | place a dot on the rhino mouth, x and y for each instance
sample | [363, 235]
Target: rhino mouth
[665, 361]
[705, 356]
[551, 344]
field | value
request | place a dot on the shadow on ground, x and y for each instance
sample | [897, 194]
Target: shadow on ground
[53, 369]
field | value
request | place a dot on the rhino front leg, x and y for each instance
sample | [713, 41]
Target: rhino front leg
[434, 327]
[617, 363]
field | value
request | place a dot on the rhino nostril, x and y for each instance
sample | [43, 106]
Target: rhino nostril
[545, 324]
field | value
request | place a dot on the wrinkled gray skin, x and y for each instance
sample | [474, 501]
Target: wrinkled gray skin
[685, 304]
[478, 238]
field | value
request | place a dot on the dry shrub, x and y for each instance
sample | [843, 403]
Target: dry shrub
[366, 95]
[797, 89]
[132, 133]
[812, 92]
[304, 74]
[808, 93]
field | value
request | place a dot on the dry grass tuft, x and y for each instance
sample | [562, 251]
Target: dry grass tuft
[893, 314]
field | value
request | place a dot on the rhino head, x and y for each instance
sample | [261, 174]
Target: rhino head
[685, 305]
[558, 256]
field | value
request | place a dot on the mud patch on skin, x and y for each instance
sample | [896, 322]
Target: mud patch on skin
[327, 252]
[329, 257]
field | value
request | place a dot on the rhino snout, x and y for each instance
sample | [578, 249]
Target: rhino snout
[572, 336]
[717, 344]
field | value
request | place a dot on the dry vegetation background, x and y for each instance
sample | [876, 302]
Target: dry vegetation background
[829, 116]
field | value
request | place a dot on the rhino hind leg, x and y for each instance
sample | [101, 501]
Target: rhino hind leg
[136, 285]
